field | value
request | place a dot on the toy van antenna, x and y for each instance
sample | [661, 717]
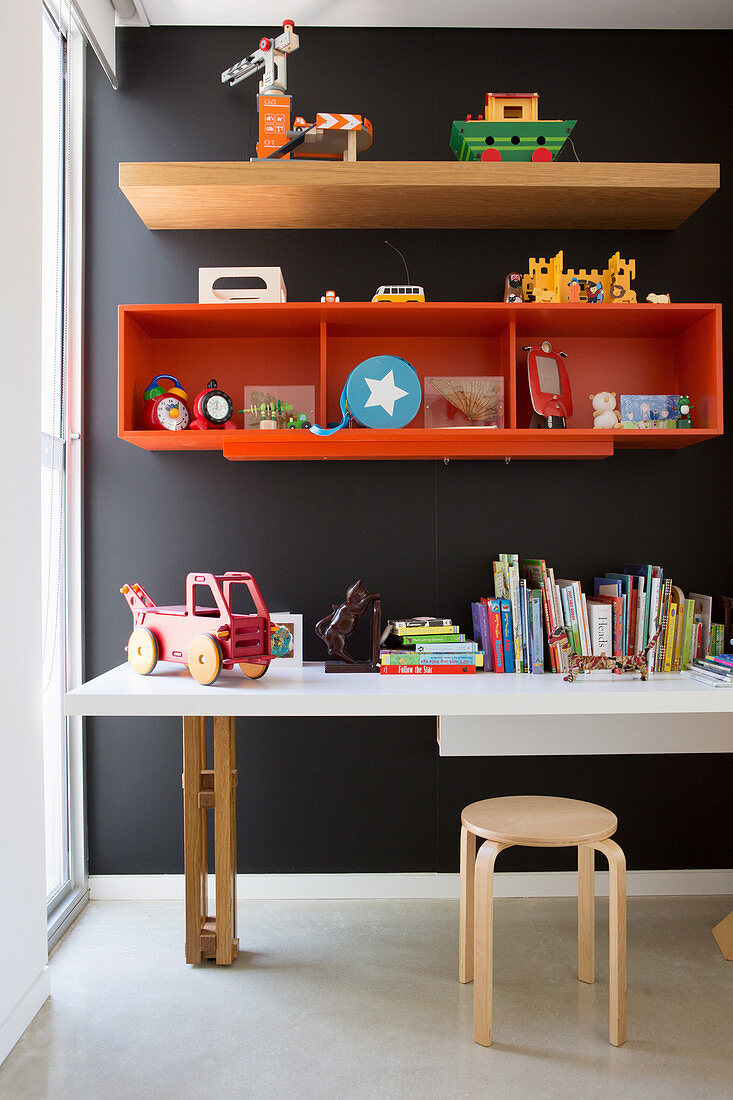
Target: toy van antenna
[407, 273]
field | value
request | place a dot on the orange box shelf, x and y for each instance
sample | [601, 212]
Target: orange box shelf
[625, 348]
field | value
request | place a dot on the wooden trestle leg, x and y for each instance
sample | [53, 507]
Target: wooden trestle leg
[203, 790]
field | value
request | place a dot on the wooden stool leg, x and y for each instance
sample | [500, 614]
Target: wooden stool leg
[194, 835]
[484, 941]
[723, 933]
[617, 938]
[465, 922]
[586, 913]
[225, 839]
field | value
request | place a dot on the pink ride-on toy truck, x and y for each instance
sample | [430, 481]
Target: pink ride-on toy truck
[205, 639]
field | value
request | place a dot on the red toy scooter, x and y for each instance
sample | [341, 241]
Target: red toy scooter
[549, 386]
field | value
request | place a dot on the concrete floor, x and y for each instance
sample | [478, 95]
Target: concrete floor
[360, 999]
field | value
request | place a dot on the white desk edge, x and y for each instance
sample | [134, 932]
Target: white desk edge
[462, 705]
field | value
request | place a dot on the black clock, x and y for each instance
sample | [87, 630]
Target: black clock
[213, 406]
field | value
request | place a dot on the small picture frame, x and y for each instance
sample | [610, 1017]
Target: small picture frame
[279, 406]
[475, 402]
[284, 624]
[645, 410]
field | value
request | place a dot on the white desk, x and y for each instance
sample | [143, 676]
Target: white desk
[308, 691]
[485, 715]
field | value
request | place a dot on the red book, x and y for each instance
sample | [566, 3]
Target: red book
[427, 670]
[633, 601]
[535, 573]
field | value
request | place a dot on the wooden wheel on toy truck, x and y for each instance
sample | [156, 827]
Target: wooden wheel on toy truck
[204, 659]
[254, 671]
[142, 650]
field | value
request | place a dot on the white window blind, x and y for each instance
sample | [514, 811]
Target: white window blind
[96, 20]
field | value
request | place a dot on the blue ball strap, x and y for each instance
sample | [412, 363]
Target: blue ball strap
[346, 417]
[359, 400]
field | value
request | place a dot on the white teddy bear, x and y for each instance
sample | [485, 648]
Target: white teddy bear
[605, 413]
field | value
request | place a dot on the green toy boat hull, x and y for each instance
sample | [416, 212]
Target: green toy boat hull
[514, 140]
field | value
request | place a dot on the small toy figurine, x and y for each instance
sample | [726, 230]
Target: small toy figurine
[513, 288]
[605, 413]
[594, 293]
[549, 386]
[213, 408]
[574, 291]
[658, 299]
[617, 665]
[165, 408]
[300, 421]
[684, 419]
[330, 296]
[270, 414]
[336, 627]
[620, 293]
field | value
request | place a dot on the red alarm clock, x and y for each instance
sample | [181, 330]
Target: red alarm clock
[163, 408]
[212, 408]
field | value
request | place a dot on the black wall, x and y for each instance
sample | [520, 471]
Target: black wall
[372, 795]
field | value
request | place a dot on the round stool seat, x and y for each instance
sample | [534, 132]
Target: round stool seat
[539, 821]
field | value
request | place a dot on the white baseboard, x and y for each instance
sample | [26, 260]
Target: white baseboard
[13, 1026]
[531, 884]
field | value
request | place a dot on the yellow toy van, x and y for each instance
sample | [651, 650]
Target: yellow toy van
[399, 294]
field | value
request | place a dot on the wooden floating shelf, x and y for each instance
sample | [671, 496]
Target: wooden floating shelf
[415, 194]
[626, 348]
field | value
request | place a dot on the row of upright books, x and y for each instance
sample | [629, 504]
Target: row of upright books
[428, 646]
[626, 610]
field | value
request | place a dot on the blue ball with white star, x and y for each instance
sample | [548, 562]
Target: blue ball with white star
[384, 392]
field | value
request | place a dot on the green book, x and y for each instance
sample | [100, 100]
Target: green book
[415, 639]
[401, 631]
[410, 658]
[686, 655]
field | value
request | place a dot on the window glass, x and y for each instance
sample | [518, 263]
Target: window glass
[52, 471]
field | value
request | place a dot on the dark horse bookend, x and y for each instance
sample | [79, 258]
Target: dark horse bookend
[340, 624]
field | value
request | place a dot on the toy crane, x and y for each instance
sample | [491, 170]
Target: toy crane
[273, 104]
[331, 136]
[272, 56]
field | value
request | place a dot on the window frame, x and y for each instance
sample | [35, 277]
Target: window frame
[66, 903]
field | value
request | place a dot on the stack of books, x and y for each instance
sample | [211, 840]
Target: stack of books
[715, 671]
[427, 646]
[625, 611]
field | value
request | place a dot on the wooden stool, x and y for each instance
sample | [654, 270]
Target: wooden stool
[539, 822]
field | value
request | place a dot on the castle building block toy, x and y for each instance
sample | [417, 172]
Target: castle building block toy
[546, 281]
[510, 130]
